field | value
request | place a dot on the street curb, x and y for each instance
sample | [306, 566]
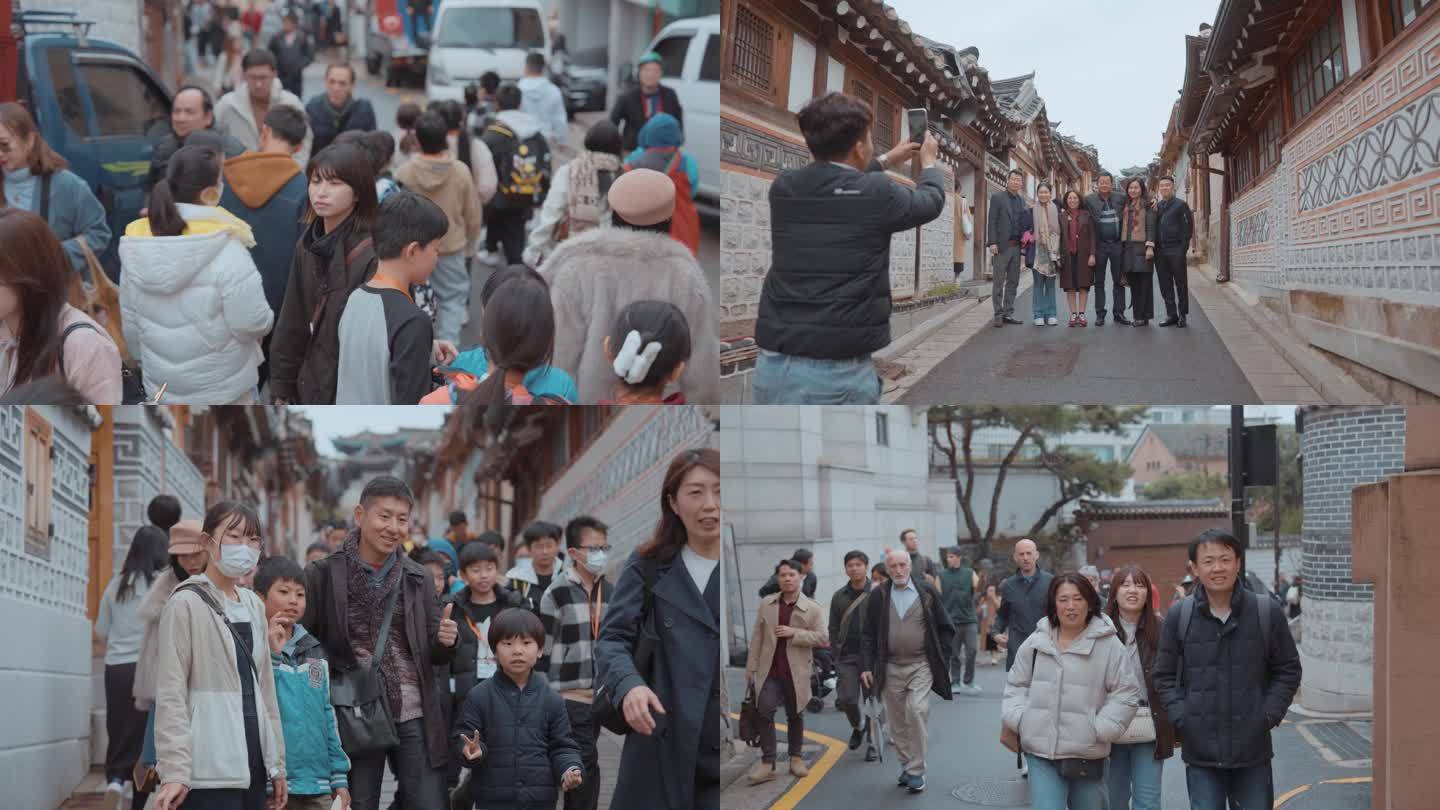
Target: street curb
[919, 334]
[1329, 381]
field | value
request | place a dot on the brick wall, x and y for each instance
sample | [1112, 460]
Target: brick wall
[115, 20]
[1343, 448]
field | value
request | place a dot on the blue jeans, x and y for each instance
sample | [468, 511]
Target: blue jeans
[1246, 788]
[787, 379]
[1044, 299]
[450, 283]
[1050, 792]
[1134, 777]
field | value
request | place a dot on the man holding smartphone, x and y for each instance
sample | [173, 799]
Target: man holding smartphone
[825, 306]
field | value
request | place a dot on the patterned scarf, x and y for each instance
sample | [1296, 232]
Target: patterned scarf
[367, 611]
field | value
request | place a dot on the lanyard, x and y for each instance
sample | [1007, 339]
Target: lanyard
[595, 608]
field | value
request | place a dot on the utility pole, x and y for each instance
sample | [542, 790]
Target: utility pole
[1237, 476]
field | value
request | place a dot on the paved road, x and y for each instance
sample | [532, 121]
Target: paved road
[965, 759]
[1030, 364]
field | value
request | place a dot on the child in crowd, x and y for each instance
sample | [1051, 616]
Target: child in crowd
[513, 729]
[648, 348]
[660, 142]
[386, 342]
[437, 175]
[518, 332]
[380, 145]
[545, 380]
[406, 144]
[315, 765]
[218, 735]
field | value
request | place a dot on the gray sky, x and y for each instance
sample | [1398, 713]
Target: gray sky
[343, 420]
[1120, 104]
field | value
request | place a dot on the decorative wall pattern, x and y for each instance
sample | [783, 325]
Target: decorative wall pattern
[1386, 86]
[1253, 229]
[139, 446]
[59, 581]
[668, 431]
[744, 146]
[1405, 145]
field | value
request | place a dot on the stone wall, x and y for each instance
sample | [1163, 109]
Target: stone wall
[1343, 448]
[45, 684]
[1344, 235]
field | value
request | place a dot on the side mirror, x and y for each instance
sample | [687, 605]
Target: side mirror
[627, 73]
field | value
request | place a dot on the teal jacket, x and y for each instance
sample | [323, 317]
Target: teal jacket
[315, 765]
[957, 594]
[543, 380]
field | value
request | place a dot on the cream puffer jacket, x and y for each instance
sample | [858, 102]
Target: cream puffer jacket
[1070, 704]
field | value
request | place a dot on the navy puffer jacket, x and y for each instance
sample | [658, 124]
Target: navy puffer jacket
[525, 735]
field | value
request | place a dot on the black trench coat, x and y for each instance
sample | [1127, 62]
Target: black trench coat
[660, 771]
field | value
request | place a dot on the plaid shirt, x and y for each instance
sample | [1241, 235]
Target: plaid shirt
[569, 657]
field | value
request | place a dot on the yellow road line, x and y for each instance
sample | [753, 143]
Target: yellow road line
[1290, 794]
[834, 749]
[1349, 780]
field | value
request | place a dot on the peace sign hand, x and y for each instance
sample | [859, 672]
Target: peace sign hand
[472, 749]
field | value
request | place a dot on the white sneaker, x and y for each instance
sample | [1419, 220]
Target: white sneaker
[1039, 321]
[114, 792]
[1051, 321]
[488, 259]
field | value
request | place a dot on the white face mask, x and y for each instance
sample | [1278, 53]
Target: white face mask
[594, 562]
[236, 561]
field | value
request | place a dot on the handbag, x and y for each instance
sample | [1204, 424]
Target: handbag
[362, 710]
[1140, 730]
[750, 721]
[647, 640]
[1073, 769]
[1011, 739]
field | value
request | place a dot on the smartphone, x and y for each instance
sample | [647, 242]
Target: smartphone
[918, 120]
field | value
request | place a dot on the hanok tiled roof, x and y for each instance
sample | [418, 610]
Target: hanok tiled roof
[1120, 510]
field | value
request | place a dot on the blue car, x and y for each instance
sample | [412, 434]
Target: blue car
[97, 104]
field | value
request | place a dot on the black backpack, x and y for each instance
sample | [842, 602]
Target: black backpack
[522, 166]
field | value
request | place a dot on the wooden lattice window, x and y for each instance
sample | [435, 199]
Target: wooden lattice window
[755, 58]
[39, 478]
[860, 90]
[752, 60]
[1269, 151]
[1405, 12]
[1318, 68]
[886, 114]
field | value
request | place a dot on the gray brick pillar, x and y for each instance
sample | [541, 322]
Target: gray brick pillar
[1343, 448]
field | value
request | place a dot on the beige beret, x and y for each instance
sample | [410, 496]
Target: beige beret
[185, 537]
[643, 197]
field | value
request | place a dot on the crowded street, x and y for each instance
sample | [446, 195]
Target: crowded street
[970, 770]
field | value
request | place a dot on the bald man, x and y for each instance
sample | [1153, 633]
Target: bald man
[1022, 600]
[905, 653]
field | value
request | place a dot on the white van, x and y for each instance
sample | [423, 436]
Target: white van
[473, 36]
[690, 58]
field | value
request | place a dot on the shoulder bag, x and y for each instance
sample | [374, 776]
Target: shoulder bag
[647, 641]
[750, 720]
[362, 711]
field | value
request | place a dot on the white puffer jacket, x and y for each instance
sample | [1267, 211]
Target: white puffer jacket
[193, 307]
[1075, 703]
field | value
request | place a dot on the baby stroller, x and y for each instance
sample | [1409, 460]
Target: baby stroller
[822, 679]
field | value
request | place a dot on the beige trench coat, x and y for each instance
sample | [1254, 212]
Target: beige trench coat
[810, 632]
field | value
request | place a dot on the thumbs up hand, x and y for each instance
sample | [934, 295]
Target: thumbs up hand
[449, 631]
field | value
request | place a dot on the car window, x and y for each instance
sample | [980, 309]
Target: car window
[490, 28]
[710, 68]
[672, 54]
[126, 102]
[67, 92]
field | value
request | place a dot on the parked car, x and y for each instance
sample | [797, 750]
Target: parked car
[473, 36]
[583, 79]
[389, 50]
[690, 60]
[94, 102]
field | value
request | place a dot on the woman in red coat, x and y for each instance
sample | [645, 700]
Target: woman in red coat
[1077, 254]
